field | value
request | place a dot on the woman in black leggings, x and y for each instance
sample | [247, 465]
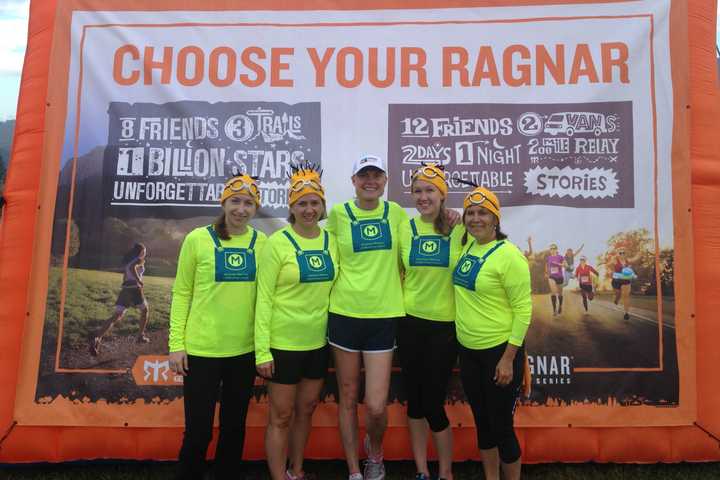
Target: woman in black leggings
[494, 306]
[427, 346]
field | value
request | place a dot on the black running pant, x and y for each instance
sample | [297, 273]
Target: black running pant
[428, 353]
[493, 407]
[231, 380]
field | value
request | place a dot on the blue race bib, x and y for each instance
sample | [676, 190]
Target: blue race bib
[314, 265]
[469, 266]
[429, 250]
[234, 264]
[370, 234]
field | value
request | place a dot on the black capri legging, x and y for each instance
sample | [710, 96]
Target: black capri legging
[493, 407]
[428, 353]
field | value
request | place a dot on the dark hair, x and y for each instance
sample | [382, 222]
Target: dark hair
[291, 216]
[133, 253]
[499, 234]
[221, 227]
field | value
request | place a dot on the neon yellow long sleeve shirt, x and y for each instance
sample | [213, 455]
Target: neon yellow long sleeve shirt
[290, 314]
[428, 290]
[368, 285]
[500, 308]
[209, 318]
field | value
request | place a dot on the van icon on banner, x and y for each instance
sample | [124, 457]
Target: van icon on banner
[571, 123]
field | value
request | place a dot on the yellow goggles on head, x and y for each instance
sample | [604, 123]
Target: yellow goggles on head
[428, 171]
[302, 183]
[239, 184]
[434, 175]
[477, 198]
[484, 198]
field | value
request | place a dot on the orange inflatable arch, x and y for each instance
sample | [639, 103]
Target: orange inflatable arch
[696, 108]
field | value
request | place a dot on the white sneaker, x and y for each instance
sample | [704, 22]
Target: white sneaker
[355, 476]
[374, 470]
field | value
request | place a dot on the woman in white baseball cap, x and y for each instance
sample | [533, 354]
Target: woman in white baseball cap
[365, 305]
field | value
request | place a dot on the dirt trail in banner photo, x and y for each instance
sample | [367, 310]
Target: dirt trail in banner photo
[116, 351]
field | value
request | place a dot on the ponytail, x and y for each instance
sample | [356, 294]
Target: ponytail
[221, 227]
[441, 225]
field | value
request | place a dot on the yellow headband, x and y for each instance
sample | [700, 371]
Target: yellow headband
[433, 174]
[483, 197]
[241, 184]
[304, 182]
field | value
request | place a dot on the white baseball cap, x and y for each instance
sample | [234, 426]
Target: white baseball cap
[368, 161]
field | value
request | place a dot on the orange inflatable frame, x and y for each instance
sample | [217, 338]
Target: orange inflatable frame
[696, 108]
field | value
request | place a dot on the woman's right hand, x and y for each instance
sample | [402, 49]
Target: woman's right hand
[266, 370]
[179, 362]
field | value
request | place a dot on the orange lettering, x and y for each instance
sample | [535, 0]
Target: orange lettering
[583, 65]
[620, 62]
[373, 74]
[341, 73]
[545, 62]
[230, 66]
[320, 64]
[164, 65]
[523, 68]
[418, 66]
[251, 65]
[182, 64]
[118, 65]
[485, 67]
[450, 66]
[277, 66]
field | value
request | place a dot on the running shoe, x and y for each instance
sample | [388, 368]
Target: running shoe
[374, 466]
[95, 346]
[374, 470]
[626, 316]
[421, 476]
[143, 338]
[290, 476]
[355, 476]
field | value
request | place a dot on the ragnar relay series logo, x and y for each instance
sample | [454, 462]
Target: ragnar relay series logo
[551, 369]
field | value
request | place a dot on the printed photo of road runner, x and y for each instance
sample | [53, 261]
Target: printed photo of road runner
[603, 327]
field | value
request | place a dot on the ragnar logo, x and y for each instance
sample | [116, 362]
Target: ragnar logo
[234, 261]
[551, 369]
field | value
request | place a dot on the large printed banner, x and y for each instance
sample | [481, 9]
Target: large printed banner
[565, 111]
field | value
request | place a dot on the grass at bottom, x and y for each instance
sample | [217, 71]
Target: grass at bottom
[334, 469]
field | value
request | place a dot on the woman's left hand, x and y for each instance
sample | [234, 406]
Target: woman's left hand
[503, 372]
[453, 217]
